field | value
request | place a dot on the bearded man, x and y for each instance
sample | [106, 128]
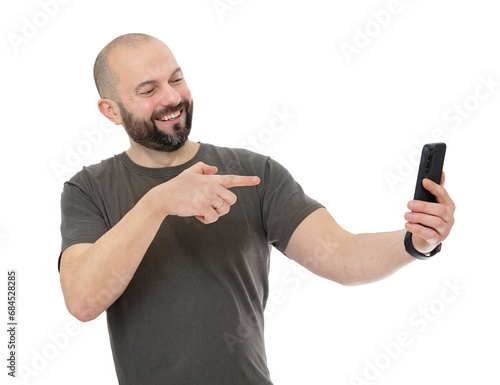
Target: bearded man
[172, 238]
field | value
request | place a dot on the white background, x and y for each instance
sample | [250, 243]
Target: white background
[356, 118]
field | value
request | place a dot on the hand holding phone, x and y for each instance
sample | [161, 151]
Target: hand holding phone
[431, 166]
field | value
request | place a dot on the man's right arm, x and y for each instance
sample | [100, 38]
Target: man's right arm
[93, 276]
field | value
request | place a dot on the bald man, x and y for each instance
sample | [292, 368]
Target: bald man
[172, 238]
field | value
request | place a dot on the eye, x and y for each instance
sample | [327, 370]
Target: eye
[178, 80]
[147, 92]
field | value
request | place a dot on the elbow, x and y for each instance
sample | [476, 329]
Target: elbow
[79, 306]
[82, 312]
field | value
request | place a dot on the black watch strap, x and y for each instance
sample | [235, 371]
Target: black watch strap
[414, 253]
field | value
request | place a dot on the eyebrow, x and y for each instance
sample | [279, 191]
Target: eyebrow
[147, 82]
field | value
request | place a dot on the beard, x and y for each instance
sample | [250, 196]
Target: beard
[145, 132]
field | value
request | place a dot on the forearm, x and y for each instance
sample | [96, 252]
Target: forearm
[326, 249]
[93, 276]
[365, 258]
[94, 279]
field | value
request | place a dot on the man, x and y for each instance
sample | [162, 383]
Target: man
[179, 262]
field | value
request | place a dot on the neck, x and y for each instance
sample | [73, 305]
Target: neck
[156, 159]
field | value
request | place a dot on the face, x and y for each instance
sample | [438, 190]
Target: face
[147, 134]
[154, 101]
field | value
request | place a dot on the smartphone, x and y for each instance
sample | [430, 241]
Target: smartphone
[431, 166]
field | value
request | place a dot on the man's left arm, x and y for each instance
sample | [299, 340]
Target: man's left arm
[321, 245]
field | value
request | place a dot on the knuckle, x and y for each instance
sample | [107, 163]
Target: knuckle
[200, 201]
[434, 240]
[431, 236]
[426, 233]
[208, 189]
[441, 226]
[211, 217]
[232, 199]
[438, 223]
[222, 179]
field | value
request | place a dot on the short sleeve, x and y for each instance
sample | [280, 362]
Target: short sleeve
[81, 219]
[284, 205]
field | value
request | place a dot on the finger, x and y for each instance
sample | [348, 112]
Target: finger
[226, 195]
[222, 209]
[201, 168]
[209, 216]
[229, 181]
[445, 212]
[219, 205]
[442, 179]
[437, 190]
[427, 233]
[200, 218]
[431, 221]
[209, 170]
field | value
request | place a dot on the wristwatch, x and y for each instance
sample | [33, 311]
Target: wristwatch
[414, 253]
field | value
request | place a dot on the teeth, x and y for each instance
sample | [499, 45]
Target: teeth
[170, 117]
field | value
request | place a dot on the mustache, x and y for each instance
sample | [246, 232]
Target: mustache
[183, 105]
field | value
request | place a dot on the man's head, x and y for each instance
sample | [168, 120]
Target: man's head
[142, 87]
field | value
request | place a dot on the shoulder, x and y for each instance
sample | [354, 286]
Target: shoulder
[236, 153]
[92, 174]
[236, 160]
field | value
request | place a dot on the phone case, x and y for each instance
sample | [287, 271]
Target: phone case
[431, 166]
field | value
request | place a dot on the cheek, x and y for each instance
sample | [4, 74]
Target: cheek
[146, 108]
[184, 92]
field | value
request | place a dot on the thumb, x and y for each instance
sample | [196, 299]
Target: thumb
[202, 169]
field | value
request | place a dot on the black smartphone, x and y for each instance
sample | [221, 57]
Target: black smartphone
[431, 166]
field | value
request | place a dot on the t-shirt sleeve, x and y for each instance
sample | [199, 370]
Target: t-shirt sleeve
[284, 205]
[81, 219]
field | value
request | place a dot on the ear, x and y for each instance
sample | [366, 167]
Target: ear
[109, 108]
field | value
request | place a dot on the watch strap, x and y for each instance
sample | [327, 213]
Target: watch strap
[416, 254]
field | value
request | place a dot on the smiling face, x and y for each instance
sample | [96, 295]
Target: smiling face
[154, 101]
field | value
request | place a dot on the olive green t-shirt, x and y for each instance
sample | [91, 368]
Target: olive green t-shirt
[193, 312]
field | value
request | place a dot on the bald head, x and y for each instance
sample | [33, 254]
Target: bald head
[104, 76]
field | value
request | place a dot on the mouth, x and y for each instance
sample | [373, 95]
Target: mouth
[173, 117]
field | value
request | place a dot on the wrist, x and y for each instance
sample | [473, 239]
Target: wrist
[419, 253]
[151, 202]
[421, 245]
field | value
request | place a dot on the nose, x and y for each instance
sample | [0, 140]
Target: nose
[169, 96]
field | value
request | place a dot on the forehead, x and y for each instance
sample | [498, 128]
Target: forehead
[149, 61]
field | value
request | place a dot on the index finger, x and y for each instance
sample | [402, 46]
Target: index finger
[228, 181]
[437, 190]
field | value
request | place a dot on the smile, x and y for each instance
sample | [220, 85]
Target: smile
[172, 116]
